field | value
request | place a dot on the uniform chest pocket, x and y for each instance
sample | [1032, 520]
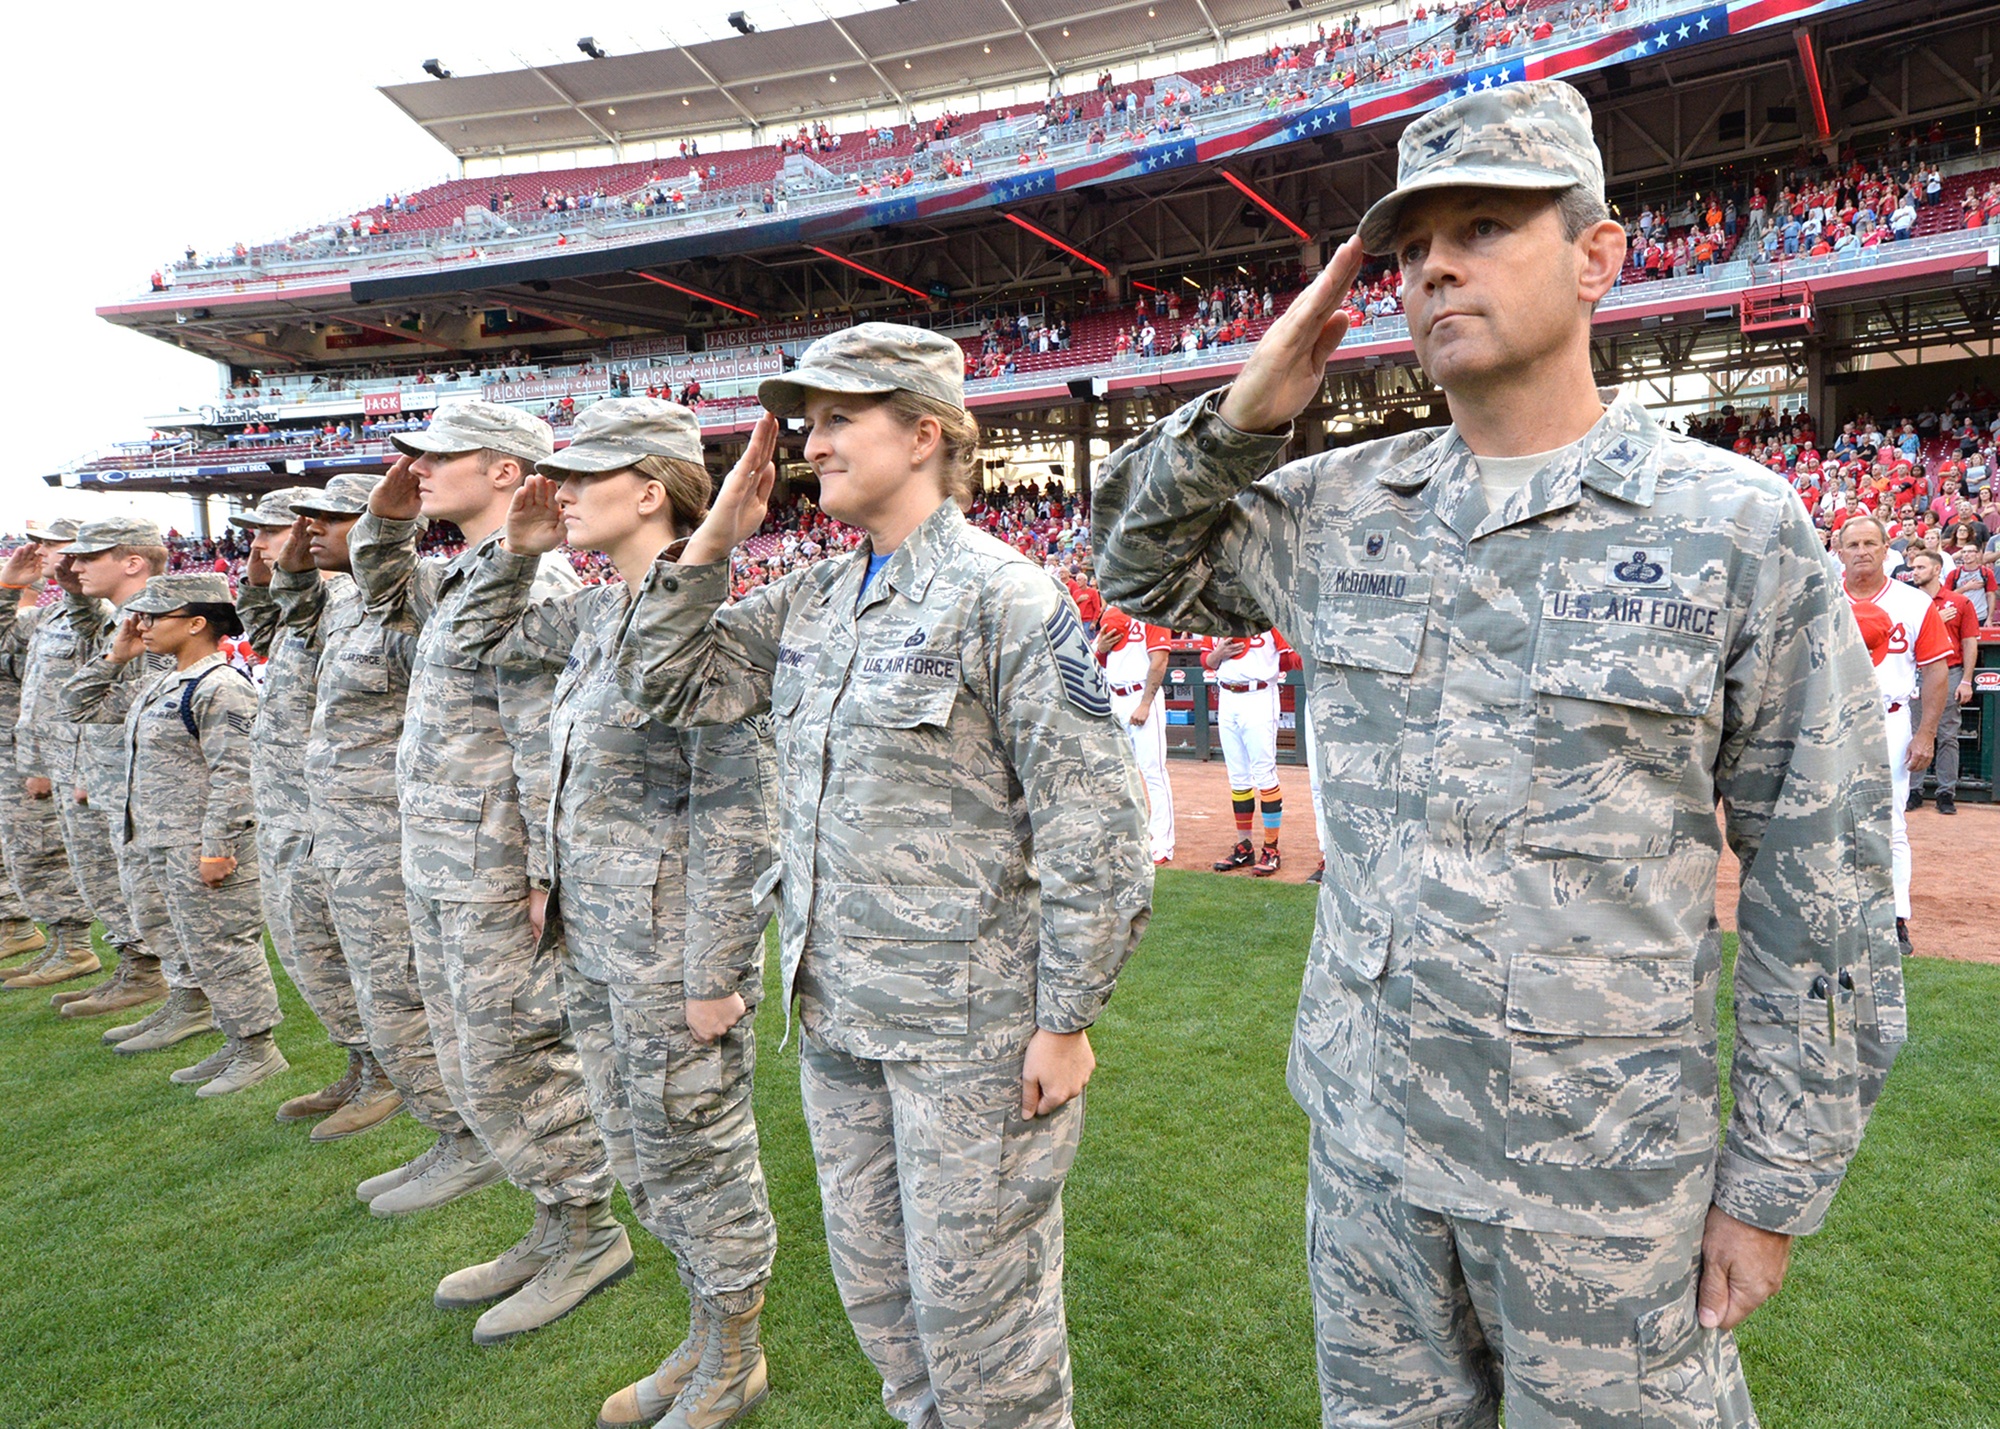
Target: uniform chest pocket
[1594, 1066]
[1367, 639]
[361, 664]
[899, 768]
[1618, 709]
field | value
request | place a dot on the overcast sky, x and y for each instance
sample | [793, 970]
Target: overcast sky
[133, 134]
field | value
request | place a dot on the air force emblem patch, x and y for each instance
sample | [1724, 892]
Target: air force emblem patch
[1082, 680]
[917, 637]
[1638, 568]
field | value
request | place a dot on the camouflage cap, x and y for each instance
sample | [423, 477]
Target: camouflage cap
[1534, 135]
[274, 509]
[619, 431]
[345, 495]
[165, 594]
[472, 425]
[871, 358]
[95, 536]
[63, 528]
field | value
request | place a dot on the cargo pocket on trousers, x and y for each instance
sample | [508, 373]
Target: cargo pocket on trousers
[697, 1081]
[538, 1005]
[1594, 1076]
[1677, 1366]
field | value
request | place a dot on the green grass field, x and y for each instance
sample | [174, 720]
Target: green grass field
[169, 1262]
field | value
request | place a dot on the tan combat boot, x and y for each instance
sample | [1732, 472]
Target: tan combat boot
[731, 1379]
[257, 1057]
[190, 1017]
[326, 1099]
[644, 1401]
[209, 1067]
[374, 1101]
[461, 1167]
[384, 1182]
[174, 1005]
[136, 983]
[22, 936]
[593, 1251]
[514, 1267]
[69, 958]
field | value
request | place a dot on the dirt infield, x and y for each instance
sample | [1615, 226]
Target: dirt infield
[1952, 916]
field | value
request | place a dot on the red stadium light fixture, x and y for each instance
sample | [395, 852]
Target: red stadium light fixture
[1809, 62]
[697, 293]
[1250, 193]
[864, 268]
[1078, 254]
[1046, 237]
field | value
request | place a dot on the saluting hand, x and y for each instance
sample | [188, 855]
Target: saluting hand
[395, 497]
[1289, 361]
[742, 503]
[295, 551]
[534, 521]
[24, 567]
[257, 566]
[127, 644]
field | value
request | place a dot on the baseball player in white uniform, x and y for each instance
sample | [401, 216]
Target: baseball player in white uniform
[1135, 665]
[1247, 678]
[1914, 650]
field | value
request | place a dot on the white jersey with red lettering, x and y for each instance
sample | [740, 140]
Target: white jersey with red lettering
[1259, 661]
[1916, 638]
[1125, 666]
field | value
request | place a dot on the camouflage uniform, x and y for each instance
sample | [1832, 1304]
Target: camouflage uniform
[657, 836]
[963, 860]
[472, 774]
[112, 874]
[357, 844]
[188, 798]
[296, 907]
[31, 829]
[1506, 1039]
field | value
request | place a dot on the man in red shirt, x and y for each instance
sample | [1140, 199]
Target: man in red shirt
[1961, 627]
[1089, 604]
[1912, 664]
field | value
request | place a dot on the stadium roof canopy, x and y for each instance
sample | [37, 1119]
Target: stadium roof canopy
[889, 55]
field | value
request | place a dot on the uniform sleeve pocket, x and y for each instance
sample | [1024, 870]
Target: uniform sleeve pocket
[1595, 1059]
[905, 954]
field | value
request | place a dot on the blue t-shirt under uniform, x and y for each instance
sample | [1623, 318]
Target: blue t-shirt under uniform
[875, 564]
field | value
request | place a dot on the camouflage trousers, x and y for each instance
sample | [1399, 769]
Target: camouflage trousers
[677, 1123]
[94, 865]
[221, 935]
[301, 926]
[363, 871]
[152, 928]
[1429, 1320]
[31, 840]
[945, 1228]
[504, 1053]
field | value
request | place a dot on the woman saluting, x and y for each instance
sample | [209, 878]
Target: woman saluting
[962, 856]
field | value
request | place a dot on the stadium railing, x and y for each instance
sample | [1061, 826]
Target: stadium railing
[711, 208]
